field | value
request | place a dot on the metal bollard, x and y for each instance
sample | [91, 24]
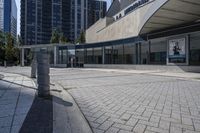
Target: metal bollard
[43, 78]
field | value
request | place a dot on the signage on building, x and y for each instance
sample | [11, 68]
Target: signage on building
[135, 5]
[177, 50]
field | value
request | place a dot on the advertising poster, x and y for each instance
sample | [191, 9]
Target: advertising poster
[177, 50]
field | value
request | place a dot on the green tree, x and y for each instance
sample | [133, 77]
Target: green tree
[63, 39]
[2, 54]
[81, 38]
[11, 53]
[9, 47]
[2, 47]
[2, 38]
[55, 37]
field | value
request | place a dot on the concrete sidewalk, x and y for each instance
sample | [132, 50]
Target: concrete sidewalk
[67, 117]
[16, 96]
[21, 111]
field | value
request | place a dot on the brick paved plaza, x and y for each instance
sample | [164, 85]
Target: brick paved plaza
[116, 102]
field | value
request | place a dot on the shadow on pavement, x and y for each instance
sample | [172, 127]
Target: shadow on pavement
[40, 117]
[61, 102]
[19, 84]
[1, 77]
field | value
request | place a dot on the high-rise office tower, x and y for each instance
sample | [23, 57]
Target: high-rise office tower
[80, 17]
[98, 10]
[35, 21]
[40, 17]
[8, 17]
[1, 14]
[66, 18]
[84, 13]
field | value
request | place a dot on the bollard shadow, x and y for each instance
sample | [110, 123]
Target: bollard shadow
[62, 102]
[29, 87]
[40, 116]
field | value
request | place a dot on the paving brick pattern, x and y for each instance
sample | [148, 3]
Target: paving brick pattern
[16, 96]
[115, 102]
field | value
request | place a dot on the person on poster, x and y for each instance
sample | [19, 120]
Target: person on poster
[176, 49]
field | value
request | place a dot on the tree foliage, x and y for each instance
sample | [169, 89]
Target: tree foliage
[2, 38]
[8, 52]
[55, 37]
[63, 39]
[2, 47]
[58, 37]
[81, 38]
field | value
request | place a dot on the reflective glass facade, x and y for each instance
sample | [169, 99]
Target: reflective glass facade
[195, 49]
[98, 10]
[81, 17]
[39, 18]
[154, 51]
[1, 14]
[8, 16]
[158, 51]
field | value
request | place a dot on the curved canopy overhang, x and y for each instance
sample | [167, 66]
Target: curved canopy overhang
[169, 13]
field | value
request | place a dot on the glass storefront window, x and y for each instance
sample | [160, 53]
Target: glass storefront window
[118, 54]
[98, 55]
[80, 55]
[89, 56]
[158, 49]
[108, 51]
[62, 57]
[195, 49]
[51, 55]
[129, 53]
[144, 53]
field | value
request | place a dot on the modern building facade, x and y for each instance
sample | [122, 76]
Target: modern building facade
[80, 15]
[39, 18]
[1, 14]
[8, 17]
[156, 32]
[99, 9]
[36, 21]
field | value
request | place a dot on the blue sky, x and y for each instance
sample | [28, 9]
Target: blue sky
[18, 14]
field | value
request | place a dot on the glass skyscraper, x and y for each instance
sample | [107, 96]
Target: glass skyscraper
[8, 16]
[1, 14]
[40, 17]
[98, 10]
[35, 21]
[80, 15]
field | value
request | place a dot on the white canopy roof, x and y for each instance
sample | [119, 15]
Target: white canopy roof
[171, 13]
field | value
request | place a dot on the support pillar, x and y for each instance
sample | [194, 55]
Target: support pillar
[55, 56]
[34, 66]
[22, 57]
[149, 53]
[136, 53]
[103, 55]
[139, 53]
